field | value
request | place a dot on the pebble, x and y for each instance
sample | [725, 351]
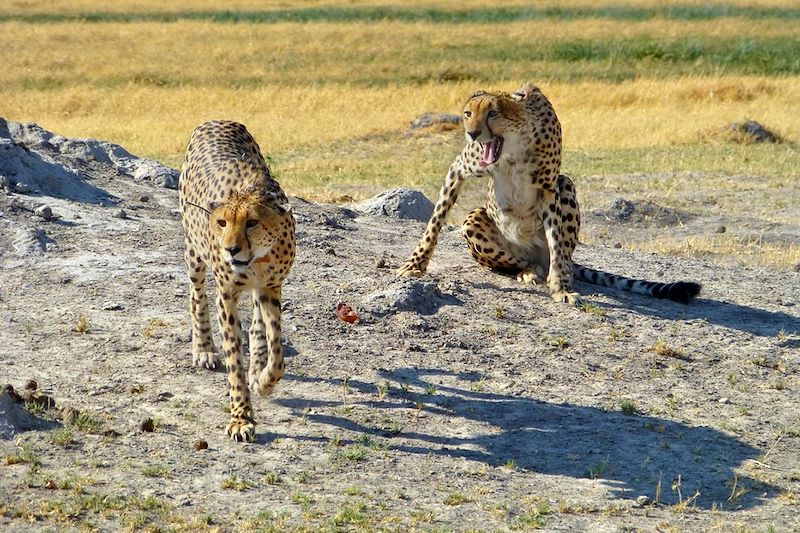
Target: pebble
[68, 415]
[617, 245]
[200, 444]
[144, 198]
[31, 385]
[147, 425]
[44, 211]
[720, 229]
[120, 213]
[112, 306]
[381, 263]
[643, 500]
[22, 188]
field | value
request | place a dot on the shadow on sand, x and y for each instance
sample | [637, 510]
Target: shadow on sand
[630, 454]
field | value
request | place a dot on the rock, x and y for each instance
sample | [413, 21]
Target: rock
[752, 132]
[4, 183]
[120, 213]
[31, 385]
[22, 188]
[147, 425]
[405, 294]
[144, 198]
[426, 120]
[112, 306]
[720, 229]
[381, 263]
[68, 415]
[200, 444]
[642, 500]
[398, 203]
[621, 209]
[44, 211]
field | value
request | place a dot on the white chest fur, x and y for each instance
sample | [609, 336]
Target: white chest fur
[517, 203]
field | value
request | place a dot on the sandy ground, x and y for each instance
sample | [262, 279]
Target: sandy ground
[460, 401]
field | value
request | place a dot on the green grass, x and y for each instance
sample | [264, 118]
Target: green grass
[479, 15]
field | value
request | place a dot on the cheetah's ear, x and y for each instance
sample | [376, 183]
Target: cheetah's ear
[283, 208]
[477, 93]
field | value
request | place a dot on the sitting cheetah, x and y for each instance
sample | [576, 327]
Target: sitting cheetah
[238, 221]
[531, 220]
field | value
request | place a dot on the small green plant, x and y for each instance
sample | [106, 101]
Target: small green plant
[499, 311]
[302, 477]
[592, 309]
[272, 478]
[61, 437]
[81, 324]
[234, 482]
[383, 389]
[303, 500]
[34, 407]
[353, 490]
[430, 389]
[354, 453]
[155, 471]
[455, 498]
[405, 387]
[511, 464]
[86, 423]
[599, 470]
[532, 518]
[354, 514]
[628, 406]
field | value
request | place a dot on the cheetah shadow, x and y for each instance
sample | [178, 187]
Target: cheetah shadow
[631, 455]
[730, 315]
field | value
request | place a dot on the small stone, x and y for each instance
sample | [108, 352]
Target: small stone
[9, 389]
[164, 396]
[50, 485]
[22, 188]
[330, 251]
[643, 500]
[147, 425]
[4, 183]
[200, 444]
[797, 267]
[120, 213]
[381, 263]
[617, 245]
[31, 385]
[44, 211]
[724, 400]
[144, 198]
[112, 306]
[720, 229]
[68, 415]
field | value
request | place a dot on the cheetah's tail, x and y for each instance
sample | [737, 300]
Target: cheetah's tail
[677, 291]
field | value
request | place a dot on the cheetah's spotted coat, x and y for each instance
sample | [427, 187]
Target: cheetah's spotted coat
[238, 221]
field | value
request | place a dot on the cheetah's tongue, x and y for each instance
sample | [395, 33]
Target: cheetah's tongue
[490, 152]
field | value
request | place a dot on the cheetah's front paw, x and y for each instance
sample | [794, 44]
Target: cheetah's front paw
[572, 298]
[241, 430]
[264, 382]
[411, 269]
[205, 359]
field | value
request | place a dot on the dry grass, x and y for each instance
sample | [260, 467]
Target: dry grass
[330, 101]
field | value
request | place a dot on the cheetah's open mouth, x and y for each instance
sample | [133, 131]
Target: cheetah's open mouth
[491, 151]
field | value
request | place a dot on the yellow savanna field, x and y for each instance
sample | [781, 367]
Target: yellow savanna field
[329, 87]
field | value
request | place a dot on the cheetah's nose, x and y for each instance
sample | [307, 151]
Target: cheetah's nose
[233, 250]
[474, 134]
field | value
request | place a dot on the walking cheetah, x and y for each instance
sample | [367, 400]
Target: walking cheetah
[531, 220]
[238, 221]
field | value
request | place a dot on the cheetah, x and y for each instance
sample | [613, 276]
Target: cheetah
[237, 220]
[530, 223]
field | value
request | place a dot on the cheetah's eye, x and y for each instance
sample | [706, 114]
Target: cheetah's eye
[467, 114]
[221, 223]
[252, 223]
[493, 113]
